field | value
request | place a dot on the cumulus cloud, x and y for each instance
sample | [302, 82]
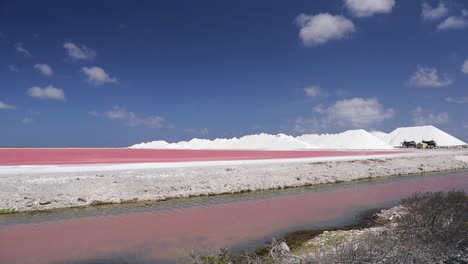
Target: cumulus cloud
[79, 52]
[454, 22]
[423, 117]
[97, 75]
[19, 47]
[428, 77]
[457, 100]
[5, 106]
[355, 112]
[44, 69]
[312, 91]
[366, 8]
[13, 68]
[433, 13]
[49, 92]
[321, 28]
[131, 119]
[465, 67]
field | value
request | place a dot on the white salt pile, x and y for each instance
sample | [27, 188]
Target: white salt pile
[351, 139]
[378, 134]
[420, 133]
[261, 141]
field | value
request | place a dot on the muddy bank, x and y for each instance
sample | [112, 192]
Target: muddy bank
[40, 191]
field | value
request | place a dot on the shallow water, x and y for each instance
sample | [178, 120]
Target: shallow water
[162, 232]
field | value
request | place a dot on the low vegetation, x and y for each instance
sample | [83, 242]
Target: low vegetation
[8, 211]
[430, 228]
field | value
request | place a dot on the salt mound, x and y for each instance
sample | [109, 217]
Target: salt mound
[378, 134]
[158, 144]
[261, 141]
[420, 133]
[351, 139]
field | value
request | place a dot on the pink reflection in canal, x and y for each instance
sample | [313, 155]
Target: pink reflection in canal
[170, 234]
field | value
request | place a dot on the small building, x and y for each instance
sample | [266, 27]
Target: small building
[421, 146]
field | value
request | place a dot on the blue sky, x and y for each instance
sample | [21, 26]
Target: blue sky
[114, 73]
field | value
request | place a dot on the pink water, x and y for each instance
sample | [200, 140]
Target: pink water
[164, 235]
[64, 156]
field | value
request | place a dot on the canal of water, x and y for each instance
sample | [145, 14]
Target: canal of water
[165, 231]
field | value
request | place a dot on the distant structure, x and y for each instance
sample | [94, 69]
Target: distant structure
[408, 144]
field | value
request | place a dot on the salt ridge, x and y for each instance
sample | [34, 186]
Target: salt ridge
[261, 141]
[351, 139]
[379, 134]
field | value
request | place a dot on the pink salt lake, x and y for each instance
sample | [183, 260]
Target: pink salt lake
[169, 230]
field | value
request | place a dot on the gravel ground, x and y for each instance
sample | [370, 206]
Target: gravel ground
[40, 191]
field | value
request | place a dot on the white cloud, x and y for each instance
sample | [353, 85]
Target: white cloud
[465, 67]
[366, 8]
[457, 100]
[312, 91]
[5, 106]
[433, 13]
[305, 125]
[196, 131]
[79, 52]
[27, 120]
[132, 120]
[48, 92]
[44, 69]
[428, 77]
[321, 28]
[423, 117]
[453, 22]
[19, 47]
[30, 117]
[355, 112]
[13, 68]
[97, 75]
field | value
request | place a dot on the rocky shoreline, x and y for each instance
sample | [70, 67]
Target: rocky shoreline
[328, 240]
[23, 192]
